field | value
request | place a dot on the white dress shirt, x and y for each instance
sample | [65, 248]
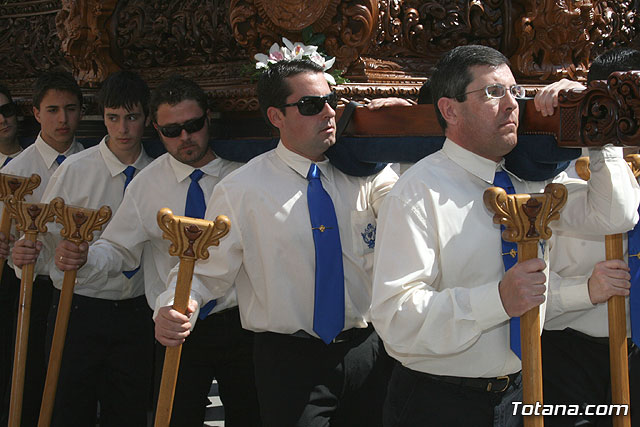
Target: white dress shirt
[4, 157]
[38, 158]
[269, 252]
[90, 179]
[133, 236]
[436, 302]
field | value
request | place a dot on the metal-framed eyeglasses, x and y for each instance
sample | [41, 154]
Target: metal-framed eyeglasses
[312, 105]
[497, 91]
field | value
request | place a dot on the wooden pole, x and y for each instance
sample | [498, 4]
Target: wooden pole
[18, 186]
[31, 218]
[190, 240]
[618, 351]
[526, 218]
[78, 225]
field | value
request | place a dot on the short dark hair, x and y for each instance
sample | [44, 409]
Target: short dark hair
[424, 95]
[617, 59]
[5, 91]
[273, 89]
[55, 80]
[452, 73]
[124, 89]
[174, 90]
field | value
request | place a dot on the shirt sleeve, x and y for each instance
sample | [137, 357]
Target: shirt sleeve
[380, 187]
[408, 311]
[567, 294]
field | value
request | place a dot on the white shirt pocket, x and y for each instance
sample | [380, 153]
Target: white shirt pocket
[363, 230]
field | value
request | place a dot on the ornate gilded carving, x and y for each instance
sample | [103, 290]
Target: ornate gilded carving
[78, 224]
[18, 186]
[582, 168]
[609, 111]
[616, 24]
[82, 29]
[526, 217]
[31, 218]
[191, 237]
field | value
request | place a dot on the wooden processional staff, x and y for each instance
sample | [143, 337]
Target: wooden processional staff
[78, 225]
[18, 186]
[190, 240]
[31, 219]
[526, 219]
[618, 352]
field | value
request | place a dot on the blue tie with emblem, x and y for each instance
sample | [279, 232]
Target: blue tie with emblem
[61, 158]
[7, 160]
[634, 293]
[195, 207]
[128, 173]
[328, 312]
[509, 258]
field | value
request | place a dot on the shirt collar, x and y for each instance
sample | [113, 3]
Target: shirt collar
[299, 163]
[114, 165]
[479, 166]
[182, 171]
[4, 157]
[49, 155]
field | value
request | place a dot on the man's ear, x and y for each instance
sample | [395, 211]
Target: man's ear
[276, 116]
[36, 114]
[448, 109]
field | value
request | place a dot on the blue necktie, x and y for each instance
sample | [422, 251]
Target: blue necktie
[328, 312]
[634, 294]
[7, 160]
[195, 208]
[61, 158]
[128, 173]
[509, 258]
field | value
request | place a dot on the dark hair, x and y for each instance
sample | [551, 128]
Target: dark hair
[174, 90]
[273, 89]
[452, 73]
[617, 59]
[124, 89]
[55, 80]
[424, 96]
[5, 91]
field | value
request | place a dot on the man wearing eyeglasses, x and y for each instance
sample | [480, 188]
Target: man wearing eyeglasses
[182, 180]
[442, 301]
[300, 252]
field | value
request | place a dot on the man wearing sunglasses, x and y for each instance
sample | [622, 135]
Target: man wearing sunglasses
[300, 252]
[9, 146]
[182, 179]
[57, 103]
[442, 301]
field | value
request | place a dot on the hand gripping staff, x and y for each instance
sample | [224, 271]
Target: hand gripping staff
[78, 225]
[190, 240]
[31, 218]
[526, 219]
[18, 186]
[618, 352]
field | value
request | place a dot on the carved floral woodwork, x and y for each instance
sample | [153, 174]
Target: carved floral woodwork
[18, 186]
[78, 224]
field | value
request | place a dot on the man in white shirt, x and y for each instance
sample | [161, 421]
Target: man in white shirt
[219, 347]
[575, 343]
[441, 298]
[101, 365]
[57, 103]
[317, 359]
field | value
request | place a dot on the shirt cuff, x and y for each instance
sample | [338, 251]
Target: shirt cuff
[166, 299]
[573, 294]
[486, 305]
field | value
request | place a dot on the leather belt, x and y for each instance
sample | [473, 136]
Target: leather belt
[493, 385]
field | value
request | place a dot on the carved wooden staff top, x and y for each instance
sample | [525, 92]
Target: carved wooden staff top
[78, 224]
[18, 186]
[31, 218]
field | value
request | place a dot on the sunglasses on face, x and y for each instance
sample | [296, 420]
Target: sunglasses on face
[312, 105]
[190, 126]
[8, 110]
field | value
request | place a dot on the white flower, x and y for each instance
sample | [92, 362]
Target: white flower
[330, 79]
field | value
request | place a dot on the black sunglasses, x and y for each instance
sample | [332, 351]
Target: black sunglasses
[312, 105]
[8, 110]
[191, 126]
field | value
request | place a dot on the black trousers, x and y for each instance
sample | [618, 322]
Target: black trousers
[575, 369]
[108, 358]
[217, 348]
[304, 382]
[415, 399]
[37, 359]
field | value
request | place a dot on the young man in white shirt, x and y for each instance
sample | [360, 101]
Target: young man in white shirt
[100, 365]
[318, 361]
[441, 298]
[57, 103]
[219, 347]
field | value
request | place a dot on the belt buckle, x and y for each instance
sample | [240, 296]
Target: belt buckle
[502, 377]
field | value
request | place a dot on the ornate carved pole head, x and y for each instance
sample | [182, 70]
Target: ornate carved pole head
[191, 237]
[633, 160]
[78, 224]
[18, 186]
[31, 218]
[526, 217]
